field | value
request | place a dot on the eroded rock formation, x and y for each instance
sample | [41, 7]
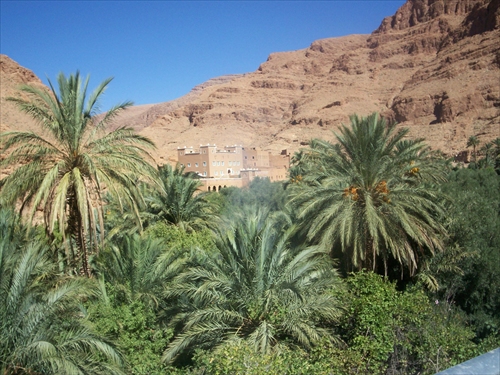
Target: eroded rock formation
[434, 67]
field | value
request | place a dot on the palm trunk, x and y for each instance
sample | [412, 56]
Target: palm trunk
[370, 256]
[82, 248]
[76, 229]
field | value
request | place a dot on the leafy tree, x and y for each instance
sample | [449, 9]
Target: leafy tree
[474, 227]
[258, 287]
[371, 196]
[133, 326]
[176, 238]
[392, 332]
[180, 202]
[43, 329]
[65, 170]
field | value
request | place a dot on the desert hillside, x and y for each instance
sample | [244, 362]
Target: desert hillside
[12, 75]
[434, 67]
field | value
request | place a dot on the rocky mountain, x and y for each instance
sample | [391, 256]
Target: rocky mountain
[12, 75]
[434, 67]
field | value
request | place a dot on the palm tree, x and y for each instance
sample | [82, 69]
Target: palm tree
[139, 266]
[474, 142]
[42, 325]
[66, 170]
[257, 287]
[370, 196]
[488, 150]
[180, 201]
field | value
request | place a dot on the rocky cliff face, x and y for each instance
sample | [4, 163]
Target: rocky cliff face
[12, 75]
[434, 67]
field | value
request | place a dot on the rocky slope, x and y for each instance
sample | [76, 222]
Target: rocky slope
[434, 67]
[12, 75]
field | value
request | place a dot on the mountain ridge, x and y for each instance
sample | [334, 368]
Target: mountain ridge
[433, 66]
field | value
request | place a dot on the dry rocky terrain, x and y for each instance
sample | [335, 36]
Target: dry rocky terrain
[434, 67]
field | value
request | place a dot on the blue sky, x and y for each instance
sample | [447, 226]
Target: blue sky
[159, 50]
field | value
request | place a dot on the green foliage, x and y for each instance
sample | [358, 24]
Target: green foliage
[385, 332]
[371, 197]
[473, 142]
[43, 329]
[401, 332]
[176, 238]
[239, 358]
[139, 267]
[248, 294]
[474, 226]
[489, 152]
[133, 326]
[180, 202]
[260, 192]
[65, 170]
[257, 287]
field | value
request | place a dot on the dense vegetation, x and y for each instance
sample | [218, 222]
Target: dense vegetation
[378, 256]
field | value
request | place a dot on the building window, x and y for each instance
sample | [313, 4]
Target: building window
[238, 163]
[218, 163]
[230, 163]
[189, 164]
[213, 163]
[195, 164]
[222, 163]
[182, 165]
[253, 157]
[204, 163]
[216, 173]
[204, 173]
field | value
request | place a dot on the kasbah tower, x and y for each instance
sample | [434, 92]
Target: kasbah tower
[232, 165]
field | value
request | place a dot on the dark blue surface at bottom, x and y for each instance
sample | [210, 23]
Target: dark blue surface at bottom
[486, 364]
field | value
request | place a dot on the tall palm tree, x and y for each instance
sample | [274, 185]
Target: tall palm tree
[473, 142]
[66, 169]
[371, 196]
[180, 202]
[42, 327]
[258, 287]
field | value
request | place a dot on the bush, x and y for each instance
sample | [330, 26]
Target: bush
[132, 326]
[397, 332]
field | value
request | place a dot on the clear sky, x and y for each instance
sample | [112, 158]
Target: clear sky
[159, 50]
